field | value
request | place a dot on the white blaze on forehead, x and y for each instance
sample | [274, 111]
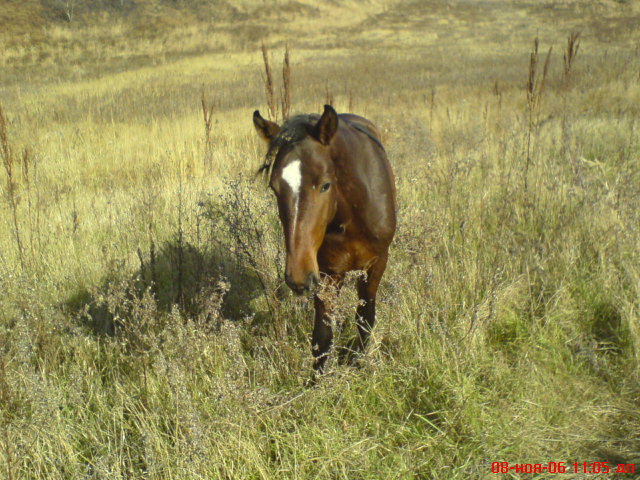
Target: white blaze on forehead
[292, 174]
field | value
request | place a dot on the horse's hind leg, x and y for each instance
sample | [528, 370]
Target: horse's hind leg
[366, 311]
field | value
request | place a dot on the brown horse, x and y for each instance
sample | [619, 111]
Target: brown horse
[336, 201]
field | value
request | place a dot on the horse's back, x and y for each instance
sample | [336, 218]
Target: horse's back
[379, 211]
[358, 121]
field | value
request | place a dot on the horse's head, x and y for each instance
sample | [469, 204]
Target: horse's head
[303, 179]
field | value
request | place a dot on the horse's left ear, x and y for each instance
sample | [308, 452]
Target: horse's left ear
[267, 129]
[327, 126]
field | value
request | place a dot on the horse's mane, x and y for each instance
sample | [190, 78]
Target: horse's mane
[293, 130]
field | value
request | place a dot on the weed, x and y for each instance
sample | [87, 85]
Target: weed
[207, 114]
[535, 88]
[269, 87]
[286, 85]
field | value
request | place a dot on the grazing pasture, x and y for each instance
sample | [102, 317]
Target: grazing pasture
[145, 329]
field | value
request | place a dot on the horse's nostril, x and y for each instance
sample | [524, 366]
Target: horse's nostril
[312, 281]
[309, 285]
[297, 288]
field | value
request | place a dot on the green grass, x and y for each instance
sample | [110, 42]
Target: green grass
[144, 328]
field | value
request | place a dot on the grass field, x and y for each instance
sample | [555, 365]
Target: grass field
[144, 329]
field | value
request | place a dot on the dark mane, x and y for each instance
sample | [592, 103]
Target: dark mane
[293, 130]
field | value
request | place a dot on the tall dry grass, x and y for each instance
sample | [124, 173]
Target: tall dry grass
[535, 88]
[147, 333]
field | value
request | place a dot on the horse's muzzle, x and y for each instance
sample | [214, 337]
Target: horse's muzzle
[309, 285]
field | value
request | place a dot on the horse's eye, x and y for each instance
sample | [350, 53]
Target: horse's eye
[325, 187]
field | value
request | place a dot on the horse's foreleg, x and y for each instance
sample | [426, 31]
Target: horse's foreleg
[322, 336]
[366, 311]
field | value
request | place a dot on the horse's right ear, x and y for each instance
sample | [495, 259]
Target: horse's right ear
[326, 128]
[267, 129]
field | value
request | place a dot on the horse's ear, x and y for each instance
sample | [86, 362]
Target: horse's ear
[267, 129]
[327, 126]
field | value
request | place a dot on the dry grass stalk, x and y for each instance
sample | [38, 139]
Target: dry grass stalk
[269, 85]
[569, 57]
[432, 103]
[26, 175]
[328, 96]
[285, 90]
[9, 162]
[535, 88]
[5, 148]
[536, 82]
[69, 7]
[153, 263]
[286, 82]
[498, 93]
[207, 114]
[8, 453]
[5, 400]
[180, 300]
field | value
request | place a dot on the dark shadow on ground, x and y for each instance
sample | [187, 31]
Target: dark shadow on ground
[176, 274]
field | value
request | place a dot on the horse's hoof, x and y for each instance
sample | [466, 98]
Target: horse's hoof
[356, 361]
[312, 381]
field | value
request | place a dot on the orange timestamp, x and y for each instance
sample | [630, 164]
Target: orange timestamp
[563, 467]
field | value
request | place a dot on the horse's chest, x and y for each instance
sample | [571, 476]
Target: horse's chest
[342, 253]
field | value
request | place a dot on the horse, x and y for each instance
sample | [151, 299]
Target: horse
[336, 197]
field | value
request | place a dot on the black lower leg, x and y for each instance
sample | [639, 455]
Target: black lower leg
[322, 337]
[365, 320]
